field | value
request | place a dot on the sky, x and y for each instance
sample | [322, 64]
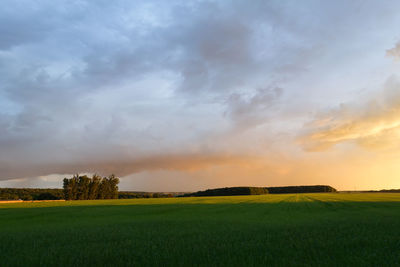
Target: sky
[189, 95]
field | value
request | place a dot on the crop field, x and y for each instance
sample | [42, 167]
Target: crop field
[332, 229]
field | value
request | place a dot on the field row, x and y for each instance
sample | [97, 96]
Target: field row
[273, 230]
[316, 197]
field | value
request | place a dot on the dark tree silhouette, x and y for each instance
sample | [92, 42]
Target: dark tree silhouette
[83, 187]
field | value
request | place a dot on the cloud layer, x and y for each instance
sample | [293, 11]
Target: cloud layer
[374, 124]
[137, 87]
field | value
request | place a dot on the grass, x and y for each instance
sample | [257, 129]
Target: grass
[274, 230]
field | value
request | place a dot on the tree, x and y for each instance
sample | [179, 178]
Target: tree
[83, 187]
[67, 189]
[94, 186]
[113, 186]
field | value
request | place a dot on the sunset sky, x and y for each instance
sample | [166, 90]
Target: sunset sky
[188, 95]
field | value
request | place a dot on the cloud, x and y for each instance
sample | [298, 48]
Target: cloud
[143, 80]
[123, 166]
[129, 86]
[251, 110]
[374, 124]
[394, 52]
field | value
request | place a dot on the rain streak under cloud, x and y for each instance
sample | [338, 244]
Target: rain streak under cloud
[188, 95]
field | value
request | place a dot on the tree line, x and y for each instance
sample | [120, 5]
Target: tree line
[301, 189]
[30, 194]
[235, 191]
[97, 187]
[230, 191]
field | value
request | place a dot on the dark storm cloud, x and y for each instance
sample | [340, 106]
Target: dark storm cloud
[123, 166]
[65, 61]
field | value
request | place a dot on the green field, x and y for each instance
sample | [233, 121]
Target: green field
[275, 230]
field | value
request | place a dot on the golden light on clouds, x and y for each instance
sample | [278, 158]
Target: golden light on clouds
[374, 124]
[394, 52]
[243, 94]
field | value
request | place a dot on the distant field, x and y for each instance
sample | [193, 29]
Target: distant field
[330, 229]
